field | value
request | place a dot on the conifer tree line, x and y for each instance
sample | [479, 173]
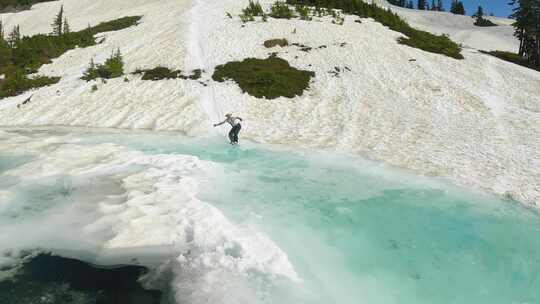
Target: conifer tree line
[457, 7]
[480, 20]
[402, 3]
[436, 5]
[18, 4]
[527, 29]
[60, 24]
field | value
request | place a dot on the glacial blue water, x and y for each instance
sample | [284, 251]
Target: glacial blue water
[357, 231]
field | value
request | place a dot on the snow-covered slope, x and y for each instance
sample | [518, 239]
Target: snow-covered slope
[158, 40]
[476, 121]
[461, 29]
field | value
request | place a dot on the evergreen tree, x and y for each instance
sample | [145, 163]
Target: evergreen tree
[115, 64]
[527, 29]
[400, 3]
[460, 8]
[479, 13]
[433, 5]
[5, 50]
[2, 34]
[5, 55]
[410, 4]
[58, 22]
[91, 72]
[480, 21]
[14, 37]
[66, 29]
[456, 7]
[440, 6]
[421, 4]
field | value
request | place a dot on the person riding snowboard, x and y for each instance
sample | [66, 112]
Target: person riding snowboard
[236, 126]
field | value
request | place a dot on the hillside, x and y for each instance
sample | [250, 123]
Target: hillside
[475, 121]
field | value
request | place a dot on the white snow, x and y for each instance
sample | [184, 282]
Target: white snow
[462, 30]
[475, 120]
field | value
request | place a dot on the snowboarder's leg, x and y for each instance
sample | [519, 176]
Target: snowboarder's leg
[236, 131]
[231, 135]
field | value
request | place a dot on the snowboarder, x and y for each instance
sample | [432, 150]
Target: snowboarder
[236, 126]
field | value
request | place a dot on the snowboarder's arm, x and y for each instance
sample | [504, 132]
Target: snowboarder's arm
[219, 124]
[240, 118]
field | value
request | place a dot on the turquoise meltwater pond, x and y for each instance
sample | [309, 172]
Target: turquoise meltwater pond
[356, 231]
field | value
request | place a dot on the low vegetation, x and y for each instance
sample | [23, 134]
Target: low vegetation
[18, 83]
[280, 9]
[265, 78]
[480, 20]
[512, 57]
[21, 56]
[17, 5]
[276, 42]
[304, 12]
[527, 29]
[483, 22]
[160, 73]
[254, 9]
[112, 68]
[415, 38]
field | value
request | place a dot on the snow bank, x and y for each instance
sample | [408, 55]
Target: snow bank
[462, 29]
[476, 120]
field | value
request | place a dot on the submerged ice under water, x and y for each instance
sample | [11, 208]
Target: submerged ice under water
[350, 230]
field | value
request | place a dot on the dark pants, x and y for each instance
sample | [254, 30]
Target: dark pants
[233, 134]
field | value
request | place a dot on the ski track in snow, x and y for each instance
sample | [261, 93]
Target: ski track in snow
[476, 121]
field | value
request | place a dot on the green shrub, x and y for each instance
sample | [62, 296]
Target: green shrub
[253, 9]
[304, 12]
[432, 43]
[29, 53]
[159, 73]
[512, 57]
[246, 18]
[114, 65]
[483, 22]
[115, 25]
[32, 52]
[275, 42]
[269, 78]
[112, 68]
[196, 74]
[19, 4]
[18, 82]
[94, 88]
[281, 9]
[415, 38]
